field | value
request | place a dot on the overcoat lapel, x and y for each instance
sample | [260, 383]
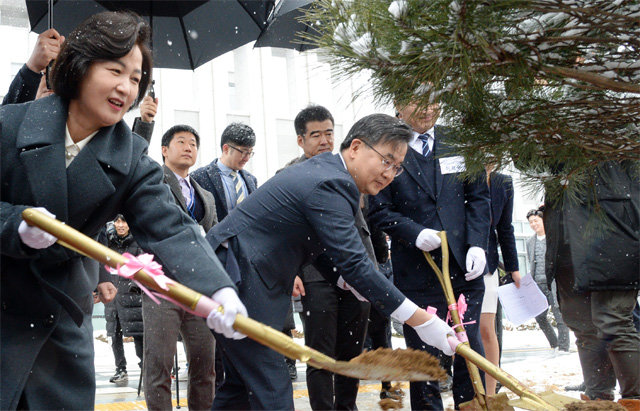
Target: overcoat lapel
[41, 141]
[214, 175]
[413, 168]
[88, 184]
[174, 185]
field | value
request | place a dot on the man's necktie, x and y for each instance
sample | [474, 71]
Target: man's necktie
[425, 144]
[237, 183]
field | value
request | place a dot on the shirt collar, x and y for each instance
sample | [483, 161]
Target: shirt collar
[225, 170]
[342, 159]
[68, 142]
[430, 132]
[180, 178]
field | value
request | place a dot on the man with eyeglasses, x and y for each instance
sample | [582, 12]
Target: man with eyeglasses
[225, 177]
[430, 196]
[229, 183]
[304, 213]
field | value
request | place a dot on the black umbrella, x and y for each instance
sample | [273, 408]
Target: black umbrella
[285, 26]
[186, 33]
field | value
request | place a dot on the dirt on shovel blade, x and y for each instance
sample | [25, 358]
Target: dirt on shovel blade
[385, 364]
[594, 406]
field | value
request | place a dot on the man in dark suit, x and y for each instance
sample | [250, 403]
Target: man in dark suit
[428, 198]
[229, 183]
[303, 213]
[163, 321]
[225, 177]
[335, 320]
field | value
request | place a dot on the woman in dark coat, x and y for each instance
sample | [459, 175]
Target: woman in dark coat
[124, 313]
[71, 154]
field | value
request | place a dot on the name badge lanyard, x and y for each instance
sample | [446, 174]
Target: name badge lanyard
[192, 207]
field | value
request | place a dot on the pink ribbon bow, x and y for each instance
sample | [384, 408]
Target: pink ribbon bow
[135, 264]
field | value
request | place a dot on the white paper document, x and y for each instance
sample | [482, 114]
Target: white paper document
[524, 303]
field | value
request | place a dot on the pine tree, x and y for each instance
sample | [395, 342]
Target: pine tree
[553, 86]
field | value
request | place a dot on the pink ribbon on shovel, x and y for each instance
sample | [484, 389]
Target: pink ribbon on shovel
[461, 306]
[145, 262]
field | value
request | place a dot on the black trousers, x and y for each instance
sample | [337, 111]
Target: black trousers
[118, 347]
[426, 395]
[335, 325]
[378, 335]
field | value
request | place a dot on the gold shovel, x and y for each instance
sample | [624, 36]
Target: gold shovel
[422, 368]
[528, 400]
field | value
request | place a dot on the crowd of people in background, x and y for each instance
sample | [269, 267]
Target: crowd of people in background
[344, 233]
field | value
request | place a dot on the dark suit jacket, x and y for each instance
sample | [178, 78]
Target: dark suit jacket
[501, 229]
[210, 179]
[302, 212]
[311, 273]
[411, 203]
[111, 174]
[209, 219]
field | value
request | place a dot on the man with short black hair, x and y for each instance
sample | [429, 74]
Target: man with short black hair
[225, 177]
[163, 321]
[305, 213]
[314, 127]
[335, 321]
[228, 182]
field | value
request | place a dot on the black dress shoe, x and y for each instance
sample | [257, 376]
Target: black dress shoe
[579, 387]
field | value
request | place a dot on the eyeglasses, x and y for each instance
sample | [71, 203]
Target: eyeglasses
[537, 213]
[388, 165]
[242, 152]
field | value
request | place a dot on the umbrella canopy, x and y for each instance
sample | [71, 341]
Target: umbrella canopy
[185, 33]
[285, 27]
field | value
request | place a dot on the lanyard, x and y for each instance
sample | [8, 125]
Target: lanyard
[192, 208]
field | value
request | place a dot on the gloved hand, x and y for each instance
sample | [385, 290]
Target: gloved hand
[428, 240]
[35, 237]
[476, 261]
[435, 332]
[343, 284]
[222, 323]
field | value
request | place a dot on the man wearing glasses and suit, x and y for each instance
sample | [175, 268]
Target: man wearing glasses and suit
[224, 177]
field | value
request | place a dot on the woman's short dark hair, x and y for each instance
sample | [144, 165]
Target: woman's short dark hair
[104, 36]
[378, 128]
[119, 217]
[535, 212]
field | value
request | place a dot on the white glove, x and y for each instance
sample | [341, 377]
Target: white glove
[476, 261]
[343, 284]
[435, 332]
[428, 240]
[222, 323]
[35, 237]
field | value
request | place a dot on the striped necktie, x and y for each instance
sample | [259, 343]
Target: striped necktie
[237, 183]
[425, 144]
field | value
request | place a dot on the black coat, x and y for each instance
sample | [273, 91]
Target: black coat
[415, 201]
[111, 174]
[606, 257]
[501, 228]
[127, 306]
